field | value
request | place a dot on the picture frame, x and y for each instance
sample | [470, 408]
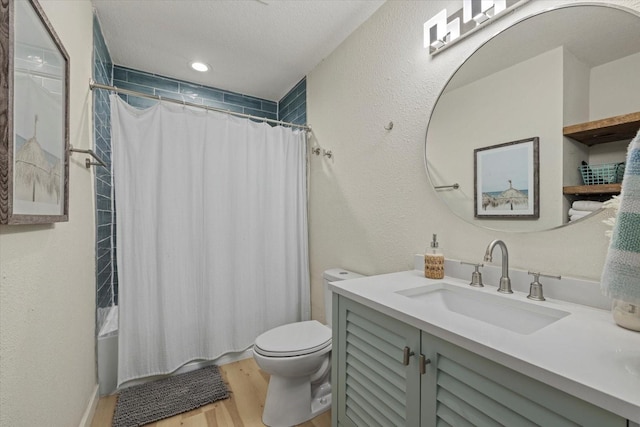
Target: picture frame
[34, 117]
[507, 180]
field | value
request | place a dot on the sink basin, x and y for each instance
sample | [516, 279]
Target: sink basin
[517, 316]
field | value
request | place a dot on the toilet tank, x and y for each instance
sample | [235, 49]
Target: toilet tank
[334, 275]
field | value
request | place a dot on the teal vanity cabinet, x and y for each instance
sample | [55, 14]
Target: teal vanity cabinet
[375, 368]
[460, 388]
[388, 373]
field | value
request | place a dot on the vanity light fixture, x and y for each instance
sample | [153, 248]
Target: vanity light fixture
[438, 32]
[442, 29]
[481, 10]
[480, 18]
[199, 66]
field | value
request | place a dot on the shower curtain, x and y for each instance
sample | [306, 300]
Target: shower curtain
[211, 233]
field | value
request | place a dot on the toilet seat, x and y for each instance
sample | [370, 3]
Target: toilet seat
[294, 339]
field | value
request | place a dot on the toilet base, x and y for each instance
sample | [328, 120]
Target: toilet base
[292, 401]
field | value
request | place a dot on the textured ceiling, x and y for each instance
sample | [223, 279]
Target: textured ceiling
[260, 48]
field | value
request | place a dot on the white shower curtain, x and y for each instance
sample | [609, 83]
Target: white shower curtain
[211, 233]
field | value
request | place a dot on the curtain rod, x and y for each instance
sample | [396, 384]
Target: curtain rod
[94, 85]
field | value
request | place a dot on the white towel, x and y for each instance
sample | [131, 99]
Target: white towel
[586, 205]
[621, 274]
[576, 212]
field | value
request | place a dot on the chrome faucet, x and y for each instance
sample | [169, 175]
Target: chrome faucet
[505, 282]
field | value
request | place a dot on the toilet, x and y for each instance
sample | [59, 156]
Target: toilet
[298, 358]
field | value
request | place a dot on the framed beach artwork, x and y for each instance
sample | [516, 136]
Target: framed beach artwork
[506, 180]
[34, 118]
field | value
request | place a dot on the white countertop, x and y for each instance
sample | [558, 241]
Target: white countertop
[584, 354]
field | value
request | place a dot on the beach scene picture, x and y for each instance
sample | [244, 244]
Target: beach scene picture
[36, 187]
[37, 172]
[506, 177]
[39, 148]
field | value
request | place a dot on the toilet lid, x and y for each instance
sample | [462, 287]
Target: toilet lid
[294, 339]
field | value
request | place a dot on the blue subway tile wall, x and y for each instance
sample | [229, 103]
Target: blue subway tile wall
[106, 281]
[166, 87]
[293, 106]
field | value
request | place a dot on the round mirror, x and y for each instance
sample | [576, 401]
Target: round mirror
[495, 150]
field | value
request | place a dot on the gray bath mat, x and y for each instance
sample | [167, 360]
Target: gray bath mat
[153, 401]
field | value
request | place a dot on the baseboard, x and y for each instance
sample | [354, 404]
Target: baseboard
[87, 417]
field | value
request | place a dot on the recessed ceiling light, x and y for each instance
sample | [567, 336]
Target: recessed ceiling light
[199, 66]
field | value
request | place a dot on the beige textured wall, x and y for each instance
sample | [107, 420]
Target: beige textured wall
[371, 206]
[47, 284]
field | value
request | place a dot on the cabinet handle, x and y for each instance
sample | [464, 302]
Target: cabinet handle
[423, 364]
[406, 354]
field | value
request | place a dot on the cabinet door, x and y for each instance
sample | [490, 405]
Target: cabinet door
[461, 388]
[372, 386]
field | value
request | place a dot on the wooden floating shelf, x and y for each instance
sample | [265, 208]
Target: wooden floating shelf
[587, 190]
[611, 129]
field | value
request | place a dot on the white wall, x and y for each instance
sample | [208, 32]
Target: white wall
[47, 282]
[614, 88]
[575, 98]
[371, 206]
[575, 95]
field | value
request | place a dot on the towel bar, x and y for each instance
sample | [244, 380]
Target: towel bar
[88, 163]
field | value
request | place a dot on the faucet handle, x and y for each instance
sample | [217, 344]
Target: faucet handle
[476, 276]
[535, 289]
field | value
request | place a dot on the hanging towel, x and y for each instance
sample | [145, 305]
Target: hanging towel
[586, 205]
[621, 274]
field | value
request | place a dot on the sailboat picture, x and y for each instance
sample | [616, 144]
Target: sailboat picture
[506, 180]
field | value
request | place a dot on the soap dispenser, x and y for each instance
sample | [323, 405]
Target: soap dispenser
[433, 261]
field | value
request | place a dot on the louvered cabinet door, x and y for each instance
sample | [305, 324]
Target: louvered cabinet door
[463, 389]
[376, 380]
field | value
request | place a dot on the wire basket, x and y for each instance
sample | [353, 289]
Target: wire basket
[606, 173]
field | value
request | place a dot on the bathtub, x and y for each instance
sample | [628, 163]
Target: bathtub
[108, 351]
[108, 355]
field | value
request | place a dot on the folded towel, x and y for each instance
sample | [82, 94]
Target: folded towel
[621, 274]
[577, 212]
[586, 205]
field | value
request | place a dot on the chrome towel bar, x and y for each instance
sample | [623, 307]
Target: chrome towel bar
[454, 186]
[88, 163]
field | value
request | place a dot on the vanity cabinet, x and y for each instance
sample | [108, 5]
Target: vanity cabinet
[375, 380]
[460, 388]
[388, 373]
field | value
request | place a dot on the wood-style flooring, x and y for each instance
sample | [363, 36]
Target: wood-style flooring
[248, 387]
